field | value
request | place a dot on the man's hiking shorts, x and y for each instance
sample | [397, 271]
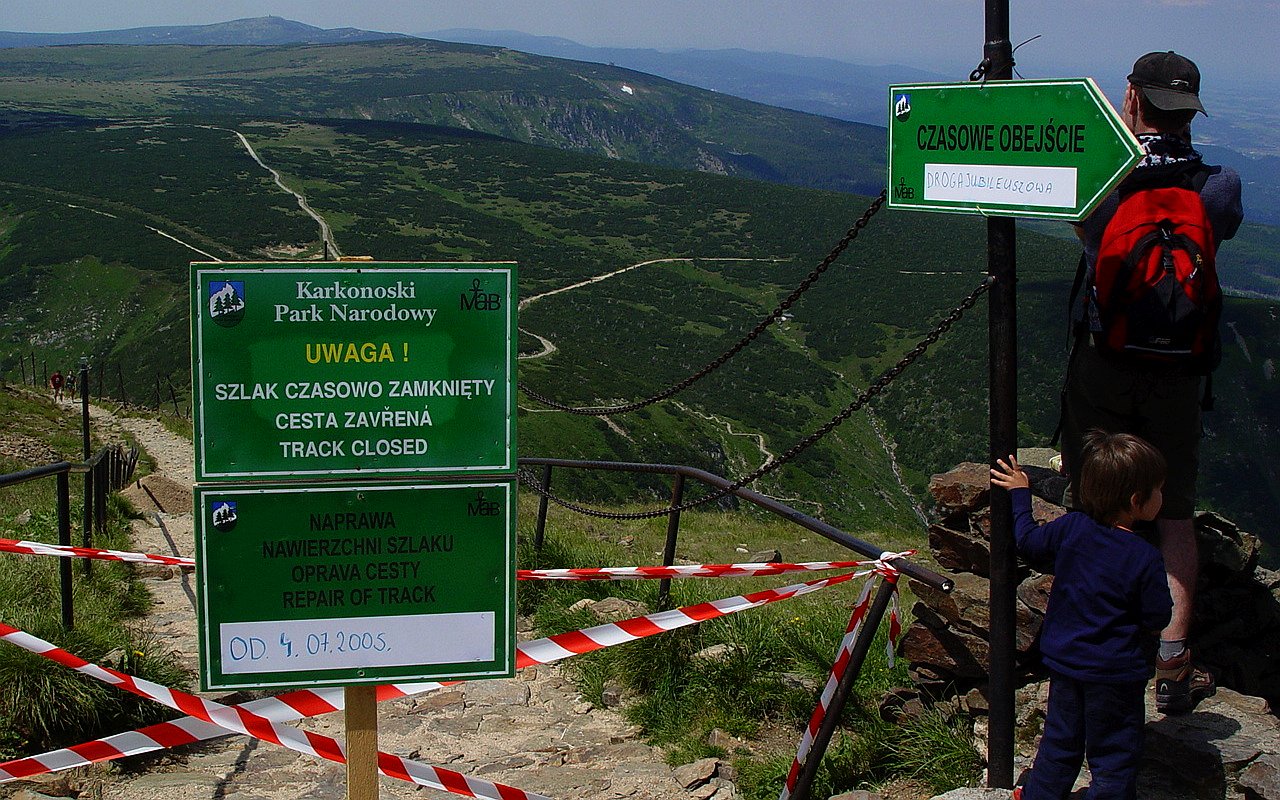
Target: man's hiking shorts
[1160, 408]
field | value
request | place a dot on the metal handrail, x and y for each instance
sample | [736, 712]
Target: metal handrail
[103, 473]
[913, 571]
[35, 473]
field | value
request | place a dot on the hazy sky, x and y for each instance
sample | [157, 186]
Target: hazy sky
[1232, 40]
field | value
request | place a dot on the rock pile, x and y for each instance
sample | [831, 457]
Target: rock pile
[1236, 630]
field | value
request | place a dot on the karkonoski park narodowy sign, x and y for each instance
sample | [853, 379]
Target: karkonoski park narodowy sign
[353, 369]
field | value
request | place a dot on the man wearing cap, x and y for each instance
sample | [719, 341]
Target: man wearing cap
[1162, 98]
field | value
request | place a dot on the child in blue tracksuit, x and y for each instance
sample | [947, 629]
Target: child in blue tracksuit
[1109, 592]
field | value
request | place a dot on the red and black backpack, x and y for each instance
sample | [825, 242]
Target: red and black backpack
[1154, 284]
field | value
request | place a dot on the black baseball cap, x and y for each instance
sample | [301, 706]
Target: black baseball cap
[1170, 81]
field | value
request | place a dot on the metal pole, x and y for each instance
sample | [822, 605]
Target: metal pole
[542, 507]
[86, 532]
[870, 624]
[64, 539]
[673, 532]
[1003, 387]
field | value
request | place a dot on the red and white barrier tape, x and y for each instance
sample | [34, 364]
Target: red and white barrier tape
[241, 721]
[683, 571]
[841, 665]
[314, 702]
[42, 549]
[577, 574]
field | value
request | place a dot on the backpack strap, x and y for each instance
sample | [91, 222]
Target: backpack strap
[1073, 332]
[1188, 174]
[1077, 332]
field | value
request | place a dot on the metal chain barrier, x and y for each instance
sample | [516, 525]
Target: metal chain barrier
[877, 387]
[602, 411]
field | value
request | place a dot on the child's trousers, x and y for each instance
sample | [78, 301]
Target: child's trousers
[1103, 721]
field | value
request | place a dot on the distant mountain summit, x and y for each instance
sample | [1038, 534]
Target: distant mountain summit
[810, 84]
[255, 30]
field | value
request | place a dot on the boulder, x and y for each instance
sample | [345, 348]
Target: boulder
[613, 609]
[1033, 592]
[962, 655]
[1225, 549]
[1262, 777]
[691, 776]
[965, 488]
[960, 550]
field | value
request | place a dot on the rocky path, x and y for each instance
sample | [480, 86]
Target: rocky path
[534, 732]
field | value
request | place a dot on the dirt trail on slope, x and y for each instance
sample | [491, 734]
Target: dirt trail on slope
[534, 732]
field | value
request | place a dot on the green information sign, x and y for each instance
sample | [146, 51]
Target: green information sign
[1042, 148]
[341, 584]
[323, 369]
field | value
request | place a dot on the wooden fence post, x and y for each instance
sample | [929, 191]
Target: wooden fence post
[173, 395]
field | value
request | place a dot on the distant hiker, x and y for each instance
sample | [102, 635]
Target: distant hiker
[1109, 595]
[71, 385]
[1157, 396]
[55, 383]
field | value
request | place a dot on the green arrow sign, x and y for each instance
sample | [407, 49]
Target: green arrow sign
[369, 369]
[1046, 148]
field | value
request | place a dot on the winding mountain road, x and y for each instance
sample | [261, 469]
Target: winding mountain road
[326, 233]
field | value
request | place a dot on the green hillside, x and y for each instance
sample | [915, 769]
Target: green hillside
[84, 267]
[572, 105]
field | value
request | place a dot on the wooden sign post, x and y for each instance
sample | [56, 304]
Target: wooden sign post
[362, 741]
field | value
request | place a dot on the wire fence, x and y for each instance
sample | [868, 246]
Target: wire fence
[130, 388]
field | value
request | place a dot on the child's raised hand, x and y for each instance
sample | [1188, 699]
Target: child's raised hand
[1009, 475]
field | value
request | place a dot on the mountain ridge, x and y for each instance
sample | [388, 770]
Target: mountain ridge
[269, 30]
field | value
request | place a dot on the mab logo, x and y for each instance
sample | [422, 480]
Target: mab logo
[480, 300]
[482, 507]
[902, 191]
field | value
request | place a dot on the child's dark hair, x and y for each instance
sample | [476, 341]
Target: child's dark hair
[1113, 468]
